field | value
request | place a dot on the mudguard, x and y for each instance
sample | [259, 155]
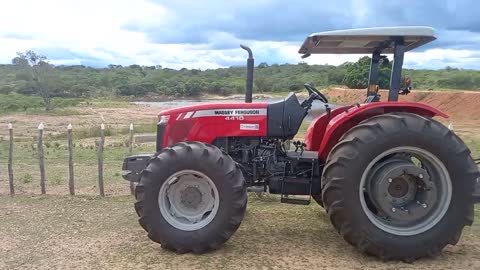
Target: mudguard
[316, 129]
[351, 116]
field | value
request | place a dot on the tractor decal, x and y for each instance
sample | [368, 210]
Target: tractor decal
[229, 112]
[249, 126]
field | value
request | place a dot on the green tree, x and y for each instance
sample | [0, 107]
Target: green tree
[263, 65]
[37, 71]
[458, 81]
[335, 75]
[357, 73]
[30, 74]
[262, 84]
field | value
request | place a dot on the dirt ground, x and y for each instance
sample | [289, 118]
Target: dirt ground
[84, 116]
[86, 232]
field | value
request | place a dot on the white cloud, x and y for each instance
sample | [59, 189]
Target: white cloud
[428, 59]
[85, 27]
[93, 29]
[440, 58]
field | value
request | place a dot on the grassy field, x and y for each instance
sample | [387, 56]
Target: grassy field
[26, 170]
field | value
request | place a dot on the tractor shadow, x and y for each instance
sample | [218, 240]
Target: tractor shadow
[282, 236]
[293, 236]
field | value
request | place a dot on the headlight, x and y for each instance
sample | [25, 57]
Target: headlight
[163, 119]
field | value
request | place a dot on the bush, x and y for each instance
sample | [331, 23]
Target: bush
[66, 102]
[27, 178]
[14, 102]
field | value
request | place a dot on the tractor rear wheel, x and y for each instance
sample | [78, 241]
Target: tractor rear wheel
[191, 198]
[399, 186]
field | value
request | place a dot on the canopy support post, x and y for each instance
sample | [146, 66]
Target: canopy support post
[396, 75]
[373, 74]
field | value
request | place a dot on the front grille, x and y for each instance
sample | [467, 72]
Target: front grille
[160, 134]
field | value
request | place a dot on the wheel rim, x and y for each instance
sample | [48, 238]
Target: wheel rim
[405, 191]
[188, 200]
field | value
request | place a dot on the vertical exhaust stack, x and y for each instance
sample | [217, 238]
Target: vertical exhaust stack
[250, 63]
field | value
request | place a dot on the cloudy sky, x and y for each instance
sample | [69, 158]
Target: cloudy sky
[206, 34]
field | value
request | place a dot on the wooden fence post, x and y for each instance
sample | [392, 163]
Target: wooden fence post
[71, 180]
[41, 158]
[10, 160]
[100, 160]
[130, 150]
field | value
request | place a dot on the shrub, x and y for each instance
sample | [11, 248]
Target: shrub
[27, 178]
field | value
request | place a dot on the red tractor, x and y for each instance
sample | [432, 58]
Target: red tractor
[395, 183]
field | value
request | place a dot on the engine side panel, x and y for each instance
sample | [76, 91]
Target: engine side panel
[206, 122]
[341, 123]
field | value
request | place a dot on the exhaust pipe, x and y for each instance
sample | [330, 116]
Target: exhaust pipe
[250, 63]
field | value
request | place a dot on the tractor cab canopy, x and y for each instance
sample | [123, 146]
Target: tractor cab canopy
[366, 40]
[375, 41]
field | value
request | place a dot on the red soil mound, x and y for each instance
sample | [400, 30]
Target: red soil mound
[461, 106]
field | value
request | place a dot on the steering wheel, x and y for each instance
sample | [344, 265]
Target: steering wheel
[315, 94]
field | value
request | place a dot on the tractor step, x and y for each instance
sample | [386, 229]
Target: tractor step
[288, 182]
[295, 201]
[294, 180]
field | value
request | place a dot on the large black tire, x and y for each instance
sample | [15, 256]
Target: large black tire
[227, 178]
[358, 147]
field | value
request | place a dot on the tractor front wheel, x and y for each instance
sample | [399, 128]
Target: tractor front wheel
[399, 186]
[191, 198]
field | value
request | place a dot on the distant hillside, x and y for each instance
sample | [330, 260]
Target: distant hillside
[81, 81]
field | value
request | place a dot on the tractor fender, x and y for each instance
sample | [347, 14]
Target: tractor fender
[356, 114]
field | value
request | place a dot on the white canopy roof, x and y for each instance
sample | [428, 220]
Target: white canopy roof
[366, 40]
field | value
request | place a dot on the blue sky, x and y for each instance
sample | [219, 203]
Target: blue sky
[206, 34]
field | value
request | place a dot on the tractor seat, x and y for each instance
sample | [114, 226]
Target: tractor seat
[372, 98]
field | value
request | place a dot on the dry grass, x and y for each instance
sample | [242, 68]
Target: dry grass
[61, 232]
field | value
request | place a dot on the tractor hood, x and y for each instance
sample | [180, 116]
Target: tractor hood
[219, 109]
[207, 121]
